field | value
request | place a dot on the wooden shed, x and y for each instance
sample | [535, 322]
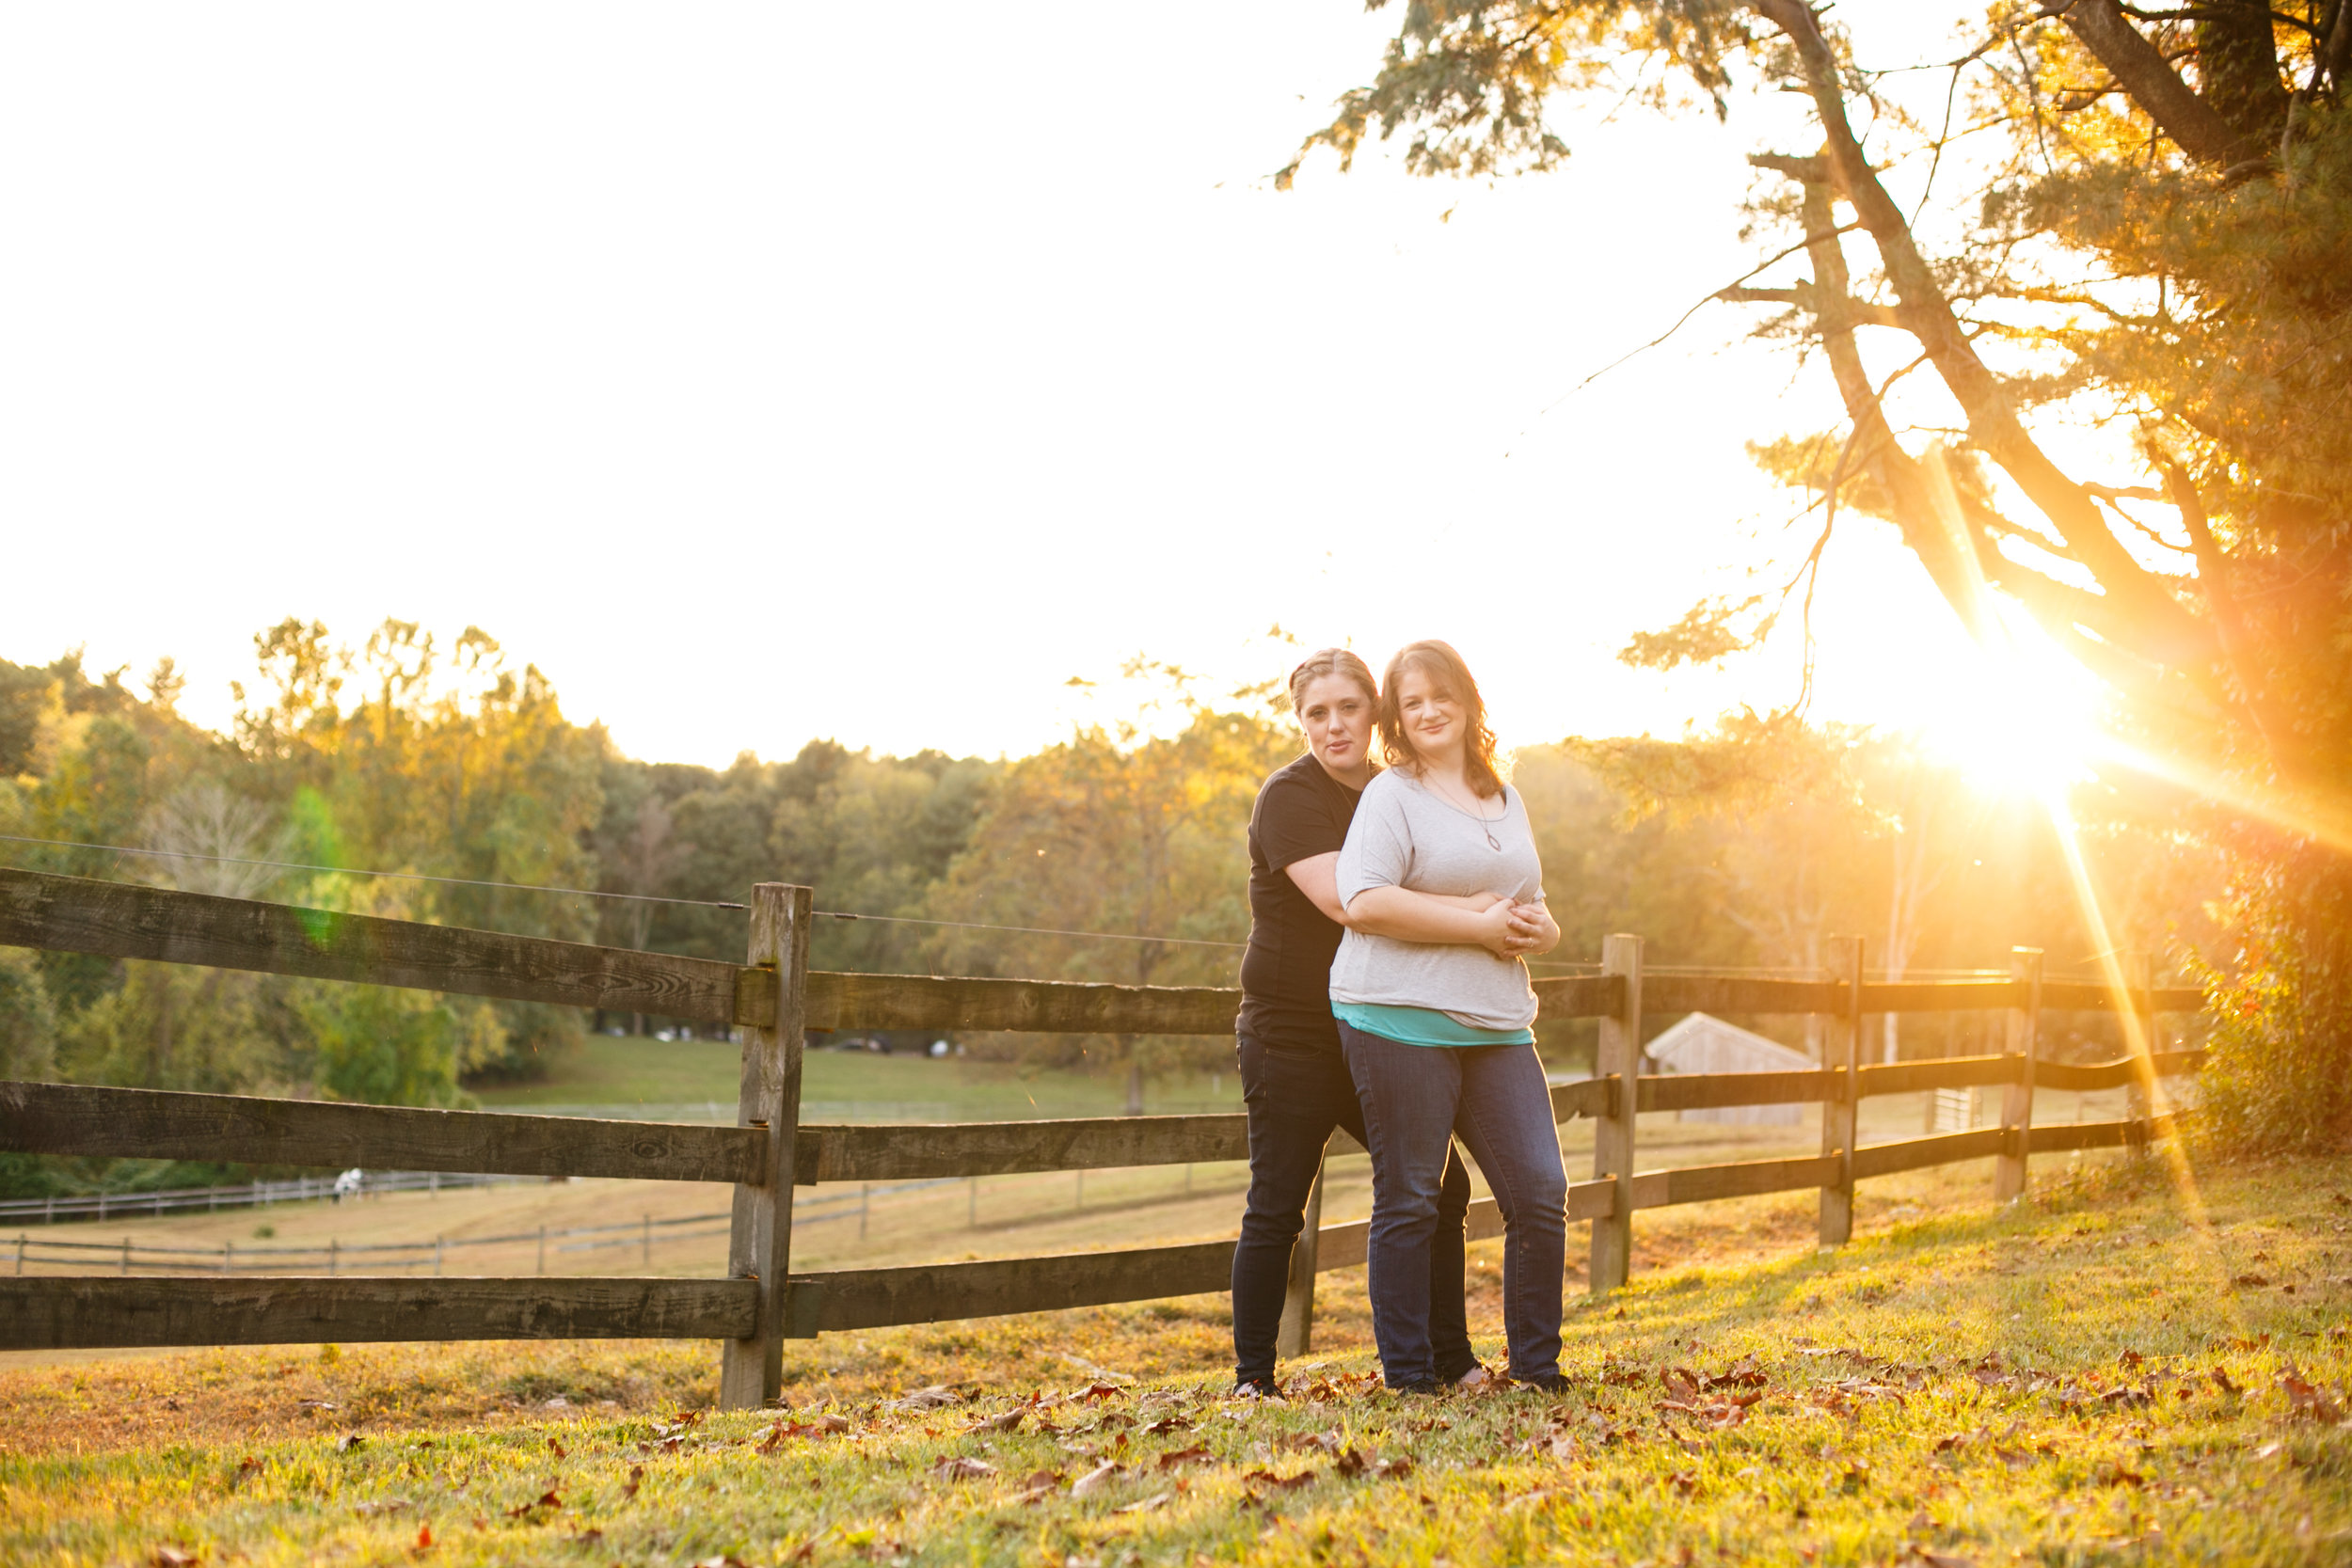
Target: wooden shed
[1703, 1043]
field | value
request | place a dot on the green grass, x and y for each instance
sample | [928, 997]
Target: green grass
[609, 1071]
[2091, 1379]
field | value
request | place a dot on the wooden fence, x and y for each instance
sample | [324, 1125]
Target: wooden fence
[773, 999]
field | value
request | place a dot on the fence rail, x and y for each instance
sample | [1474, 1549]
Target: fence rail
[258, 1194]
[774, 998]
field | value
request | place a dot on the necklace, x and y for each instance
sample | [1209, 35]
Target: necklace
[1477, 815]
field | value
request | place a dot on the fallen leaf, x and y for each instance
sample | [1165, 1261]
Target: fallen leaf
[1099, 1391]
[560, 1452]
[937, 1397]
[2249, 1279]
[2221, 1381]
[1145, 1505]
[348, 1441]
[383, 1505]
[729, 1560]
[173, 1556]
[2308, 1402]
[636, 1479]
[1168, 1423]
[958, 1468]
[1093, 1479]
[1286, 1482]
[1939, 1560]
[1006, 1422]
[424, 1538]
[1196, 1454]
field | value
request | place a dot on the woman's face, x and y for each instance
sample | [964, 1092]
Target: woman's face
[1338, 718]
[1433, 718]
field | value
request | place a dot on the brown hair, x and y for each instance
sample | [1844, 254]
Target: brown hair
[1330, 661]
[1443, 665]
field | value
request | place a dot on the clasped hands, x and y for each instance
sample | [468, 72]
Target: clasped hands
[1510, 929]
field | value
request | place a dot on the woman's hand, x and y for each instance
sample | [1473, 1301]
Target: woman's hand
[1534, 932]
[1502, 930]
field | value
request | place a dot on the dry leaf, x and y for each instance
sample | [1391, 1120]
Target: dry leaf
[173, 1556]
[1093, 1479]
[636, 1479]
[1145, 1505]
[1010, 1421]
[958, 1468]
[1286, 1482]
[936, 1396]
[348, 1441]
[2308, 1402]
[1196, 1454]
[424, 1538]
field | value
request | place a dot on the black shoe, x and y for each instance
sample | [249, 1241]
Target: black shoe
[1551, 1383]
[1425, 1386]
[1257, 1388]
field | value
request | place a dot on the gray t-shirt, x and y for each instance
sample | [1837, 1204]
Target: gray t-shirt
[1404, 836]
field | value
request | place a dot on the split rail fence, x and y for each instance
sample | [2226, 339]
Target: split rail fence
[773, 998]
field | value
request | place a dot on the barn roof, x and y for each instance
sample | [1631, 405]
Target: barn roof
[1704, 1044]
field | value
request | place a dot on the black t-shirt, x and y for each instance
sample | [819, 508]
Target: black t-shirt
[1302, 812]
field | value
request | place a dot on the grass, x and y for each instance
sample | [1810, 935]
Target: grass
[620, 1070]
[2087, 1379]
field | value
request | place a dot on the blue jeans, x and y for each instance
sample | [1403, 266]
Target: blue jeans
[1294, 1100]
[1415, 1098]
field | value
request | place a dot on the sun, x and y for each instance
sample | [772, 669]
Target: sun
[2026, 719]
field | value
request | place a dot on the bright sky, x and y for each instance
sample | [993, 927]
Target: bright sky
[764, 371]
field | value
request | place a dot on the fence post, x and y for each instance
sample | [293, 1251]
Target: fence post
[759, 1245]
[1841, 1044]
[1617, 1058]
[1297, 1331]
[2009, 1179]
[2139, 1038]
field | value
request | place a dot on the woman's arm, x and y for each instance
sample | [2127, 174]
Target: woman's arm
[1409, 916]
[1317, 876]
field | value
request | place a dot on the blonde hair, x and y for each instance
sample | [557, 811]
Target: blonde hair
[1442, 665]
[1330, 661]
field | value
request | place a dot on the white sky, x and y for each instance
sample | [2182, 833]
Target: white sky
[764, 371]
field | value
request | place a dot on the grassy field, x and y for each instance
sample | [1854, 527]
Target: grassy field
[2091, 1378]
[620, 1070]
[994, 1216]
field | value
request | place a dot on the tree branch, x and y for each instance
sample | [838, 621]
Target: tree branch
[2194, 125]
[1861, 312]
[2162, 631]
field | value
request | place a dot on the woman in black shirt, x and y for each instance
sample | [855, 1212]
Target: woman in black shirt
[1295, 1081]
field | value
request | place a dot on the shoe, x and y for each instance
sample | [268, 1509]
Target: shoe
[1551, 1382]
[1428, 1387]
[1257, 1388]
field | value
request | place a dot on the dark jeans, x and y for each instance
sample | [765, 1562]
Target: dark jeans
[1295, 1098]
[1415, 1098]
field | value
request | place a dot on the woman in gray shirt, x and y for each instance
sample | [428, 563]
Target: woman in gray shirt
[1435, 1012]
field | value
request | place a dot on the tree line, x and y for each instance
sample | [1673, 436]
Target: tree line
[1745, 848]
